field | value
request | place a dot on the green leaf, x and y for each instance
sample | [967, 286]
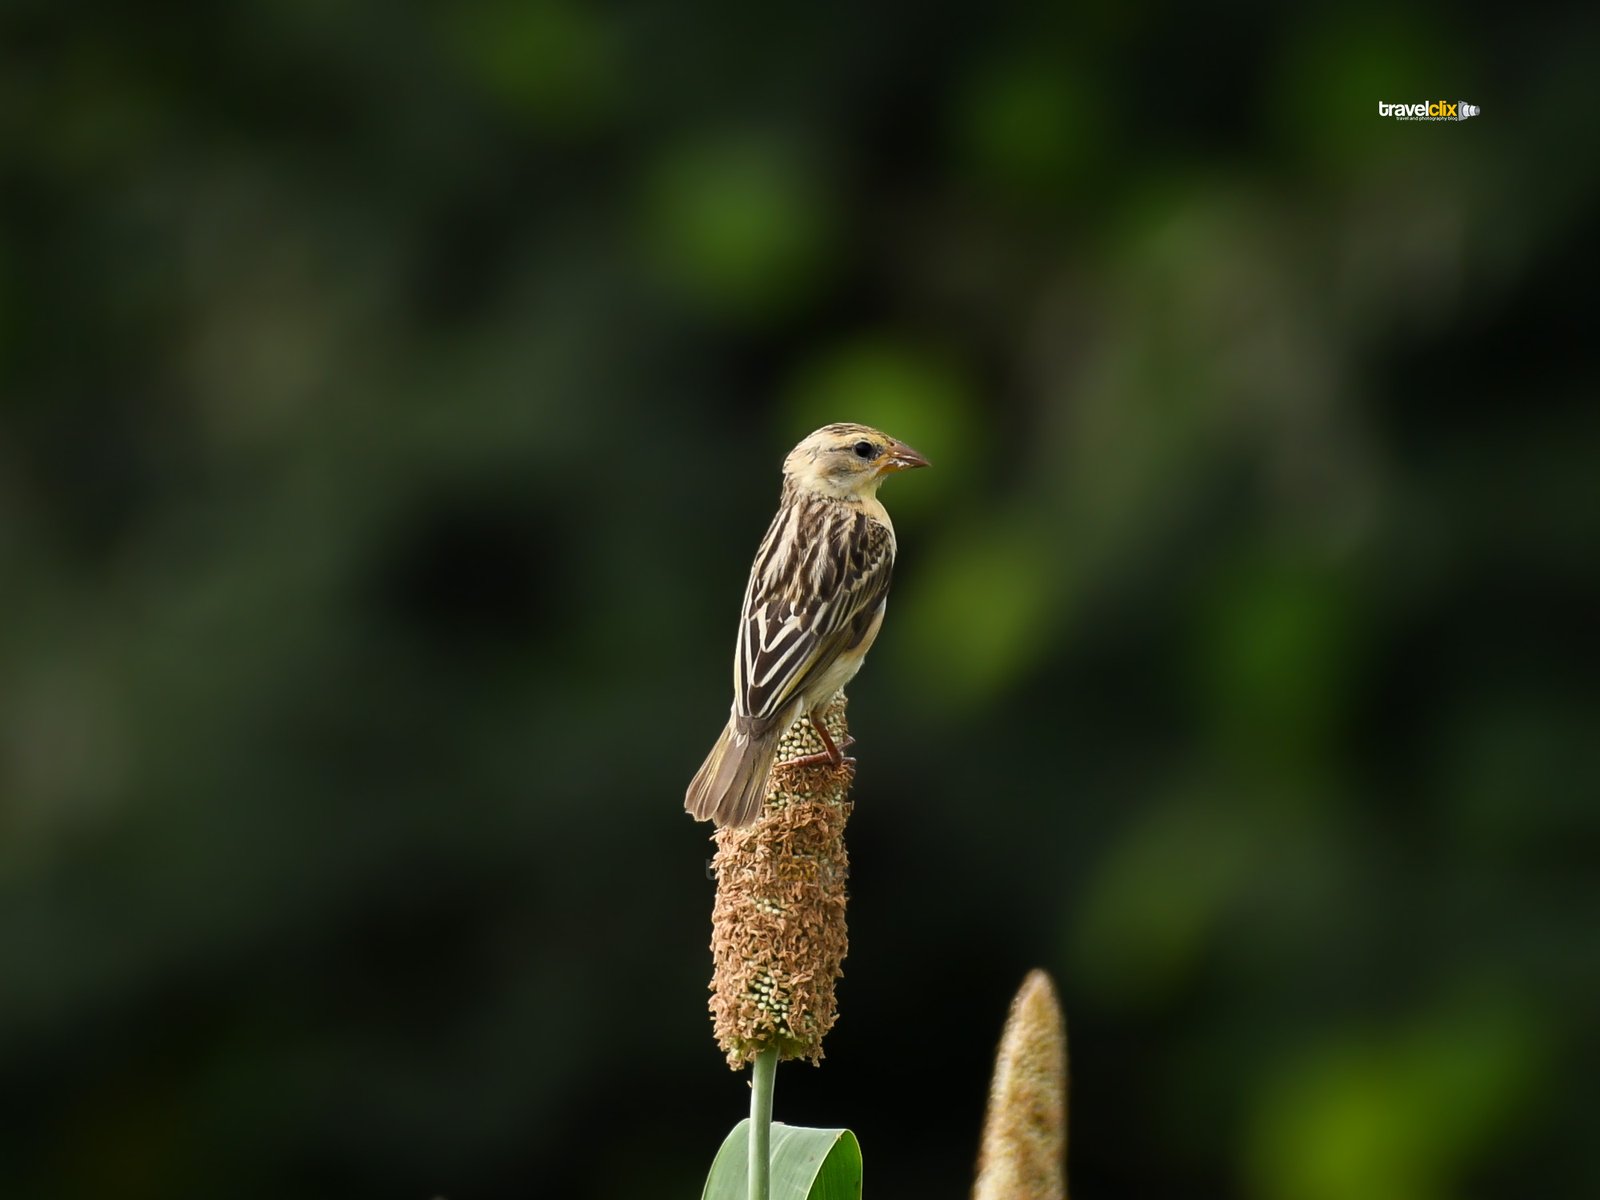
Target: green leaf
[807, 1164]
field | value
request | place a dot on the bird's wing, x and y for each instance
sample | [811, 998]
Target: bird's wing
[820, 576]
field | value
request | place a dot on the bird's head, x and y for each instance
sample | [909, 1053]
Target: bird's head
[848, 461]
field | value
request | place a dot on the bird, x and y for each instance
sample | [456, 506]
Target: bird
[812, 607]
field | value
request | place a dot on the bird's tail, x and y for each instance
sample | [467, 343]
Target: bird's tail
[730, 785]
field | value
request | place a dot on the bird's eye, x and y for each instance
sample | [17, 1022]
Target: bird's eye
[865, 450]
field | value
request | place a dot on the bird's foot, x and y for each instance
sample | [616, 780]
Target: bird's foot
[819, 759]
[829, 754]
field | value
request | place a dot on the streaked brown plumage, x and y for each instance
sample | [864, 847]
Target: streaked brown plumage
[812, 608]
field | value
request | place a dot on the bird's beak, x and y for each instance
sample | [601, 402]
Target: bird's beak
[901, 457]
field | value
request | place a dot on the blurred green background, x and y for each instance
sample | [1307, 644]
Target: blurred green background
[390, 403]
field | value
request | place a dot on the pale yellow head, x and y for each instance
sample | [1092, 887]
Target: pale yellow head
[848, 461]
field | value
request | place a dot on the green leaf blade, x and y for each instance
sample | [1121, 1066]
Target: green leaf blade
[807, 1164]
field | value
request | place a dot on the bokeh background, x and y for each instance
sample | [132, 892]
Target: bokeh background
[392, 400]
